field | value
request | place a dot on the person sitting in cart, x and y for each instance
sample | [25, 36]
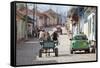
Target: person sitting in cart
[47, 36]
[55, 36]
[41, 36]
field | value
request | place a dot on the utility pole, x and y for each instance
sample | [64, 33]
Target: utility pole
[35, 15]
[26, 20]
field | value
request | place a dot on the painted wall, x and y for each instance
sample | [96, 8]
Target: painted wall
[20, 30]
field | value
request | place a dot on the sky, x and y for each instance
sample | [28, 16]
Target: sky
[57, 8]
[60, 9]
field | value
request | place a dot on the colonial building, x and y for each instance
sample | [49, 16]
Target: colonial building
[82, 20]
[23, 20]
[52, 18]
[73, 20]
[41, 19]
[90, 22]
[21, 29]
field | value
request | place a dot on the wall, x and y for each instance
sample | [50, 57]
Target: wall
[91, 27]
[20, 29]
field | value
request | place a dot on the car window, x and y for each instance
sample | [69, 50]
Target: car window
[80, 37]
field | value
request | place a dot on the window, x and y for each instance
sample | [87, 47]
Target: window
[81, 37]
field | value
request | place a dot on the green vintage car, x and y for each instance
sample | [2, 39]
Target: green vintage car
[80, 42]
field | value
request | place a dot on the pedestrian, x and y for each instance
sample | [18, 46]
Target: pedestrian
[29, 31]
[59, 30]
[33, 32]
[37, 32]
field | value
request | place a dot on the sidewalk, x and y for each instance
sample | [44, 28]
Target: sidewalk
[27, 51]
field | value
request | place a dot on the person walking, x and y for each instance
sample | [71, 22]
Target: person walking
[59, 30]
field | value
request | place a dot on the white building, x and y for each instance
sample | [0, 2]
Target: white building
[90, 24]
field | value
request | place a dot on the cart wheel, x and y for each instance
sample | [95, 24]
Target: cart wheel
[56, 51]
[40, 53]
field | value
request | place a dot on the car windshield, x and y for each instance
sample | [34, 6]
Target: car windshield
[80, 37]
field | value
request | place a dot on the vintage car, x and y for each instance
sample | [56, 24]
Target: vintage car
[80, 42]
